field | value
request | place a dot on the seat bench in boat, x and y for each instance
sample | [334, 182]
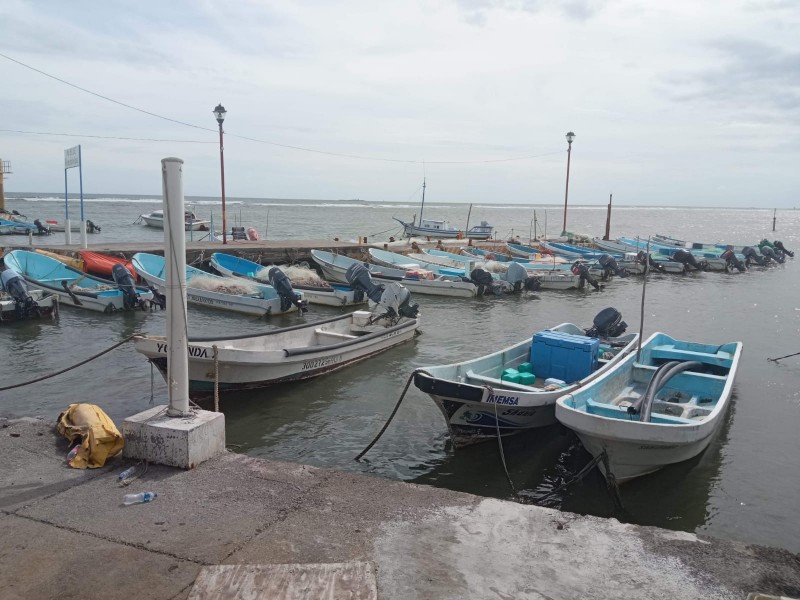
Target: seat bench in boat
[614, 411]
[335, 334]
[670, 352]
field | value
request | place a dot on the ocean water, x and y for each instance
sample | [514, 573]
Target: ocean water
[744, 487]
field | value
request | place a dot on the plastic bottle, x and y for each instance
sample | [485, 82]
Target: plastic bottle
[138, 498]
[127, 473]
[73, 452]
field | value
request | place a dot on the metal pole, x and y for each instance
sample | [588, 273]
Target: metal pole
[67, 226]
[175, 265]
[84, 241]
[222, 177]
[566, 191]
[774, 217]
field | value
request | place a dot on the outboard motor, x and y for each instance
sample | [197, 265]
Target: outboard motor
[687, 259]
[41, 229]
[607, 323]
[610, 266]
[578, 268]
[124, 280]
[751, 256]
[518, 277]
[91, 227]
[283, 286]
[643, 258]
[731, 261]
[779, 246]
[24, 305]
[394, 299]
[483, 279]
[771, 254]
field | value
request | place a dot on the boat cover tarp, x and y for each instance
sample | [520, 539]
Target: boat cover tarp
[99, 437]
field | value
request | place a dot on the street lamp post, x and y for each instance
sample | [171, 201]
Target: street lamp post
[220, 113]
[570, 137]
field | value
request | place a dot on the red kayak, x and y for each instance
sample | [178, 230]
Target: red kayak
[101, 264]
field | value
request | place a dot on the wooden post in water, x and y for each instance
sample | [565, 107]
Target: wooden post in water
[608, 219]
[774, 217]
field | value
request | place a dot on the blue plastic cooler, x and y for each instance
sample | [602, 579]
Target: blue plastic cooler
[563, 355]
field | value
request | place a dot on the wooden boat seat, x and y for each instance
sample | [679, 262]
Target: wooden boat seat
[335, 334]
[493, 381]
[670, 352]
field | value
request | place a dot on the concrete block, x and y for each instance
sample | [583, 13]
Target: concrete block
[182, 442]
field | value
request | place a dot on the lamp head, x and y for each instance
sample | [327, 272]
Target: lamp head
[570, 137]
[220, 113]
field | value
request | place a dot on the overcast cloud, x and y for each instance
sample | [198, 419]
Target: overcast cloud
[673, 103]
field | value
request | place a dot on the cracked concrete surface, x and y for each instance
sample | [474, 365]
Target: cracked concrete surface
[66, 534]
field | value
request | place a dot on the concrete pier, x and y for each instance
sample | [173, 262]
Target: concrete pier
[66, 534]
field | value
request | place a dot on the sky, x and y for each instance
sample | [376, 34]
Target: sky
[678, 103]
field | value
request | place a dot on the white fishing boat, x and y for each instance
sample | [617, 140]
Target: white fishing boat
[192, 223]
[434, 228]
[15, 308]
[655, 409]
[315, 290]
[420, 281]
[282, 355]
[515, 389]
[226, 293]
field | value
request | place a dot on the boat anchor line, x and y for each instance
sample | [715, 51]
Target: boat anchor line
[391, 416]
[75, 366]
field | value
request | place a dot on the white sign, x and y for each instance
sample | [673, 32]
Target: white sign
[72, 157]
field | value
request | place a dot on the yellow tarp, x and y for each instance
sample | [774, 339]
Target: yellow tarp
[99, 437]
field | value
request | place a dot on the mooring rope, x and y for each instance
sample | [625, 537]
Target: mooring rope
[75, 366]
[391, 416]
[216, 378]
[500, 443]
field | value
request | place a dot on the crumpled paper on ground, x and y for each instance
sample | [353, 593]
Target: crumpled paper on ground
[99, 437]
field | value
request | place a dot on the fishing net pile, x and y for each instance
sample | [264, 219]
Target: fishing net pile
[223, 285]
[493, 266]
[304, 276]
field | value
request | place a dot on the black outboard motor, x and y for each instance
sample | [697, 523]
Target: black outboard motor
[393, 299]
[517, 276]
[124, 280]
[359, 278]
[751, 256]
[687, 259]
[610, 266]
[578, 268]
[644, 258]
[483, 279]
[779, 245]
[24, 305]
[283, 286]
[771, 254]
[91, 227]
[41, 229]
[731, 261]
[607, 323]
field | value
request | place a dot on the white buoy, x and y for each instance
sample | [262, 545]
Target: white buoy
[175, 260]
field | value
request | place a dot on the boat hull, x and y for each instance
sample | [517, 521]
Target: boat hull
[198, 225]
[477, 405]
[240, 368]
[687, 411]
[48, 307]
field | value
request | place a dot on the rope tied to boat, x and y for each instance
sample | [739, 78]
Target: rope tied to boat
[216, 378]
[75, 366]
[500, 442]
[394, 412]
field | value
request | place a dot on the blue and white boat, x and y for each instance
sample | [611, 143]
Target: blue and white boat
[657, 408]
[73, 287]
[515, 389]
[226, 293]
[324, 293]
[334, 268]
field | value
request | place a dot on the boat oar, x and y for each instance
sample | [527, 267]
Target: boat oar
[780, 357]
[71, 293]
